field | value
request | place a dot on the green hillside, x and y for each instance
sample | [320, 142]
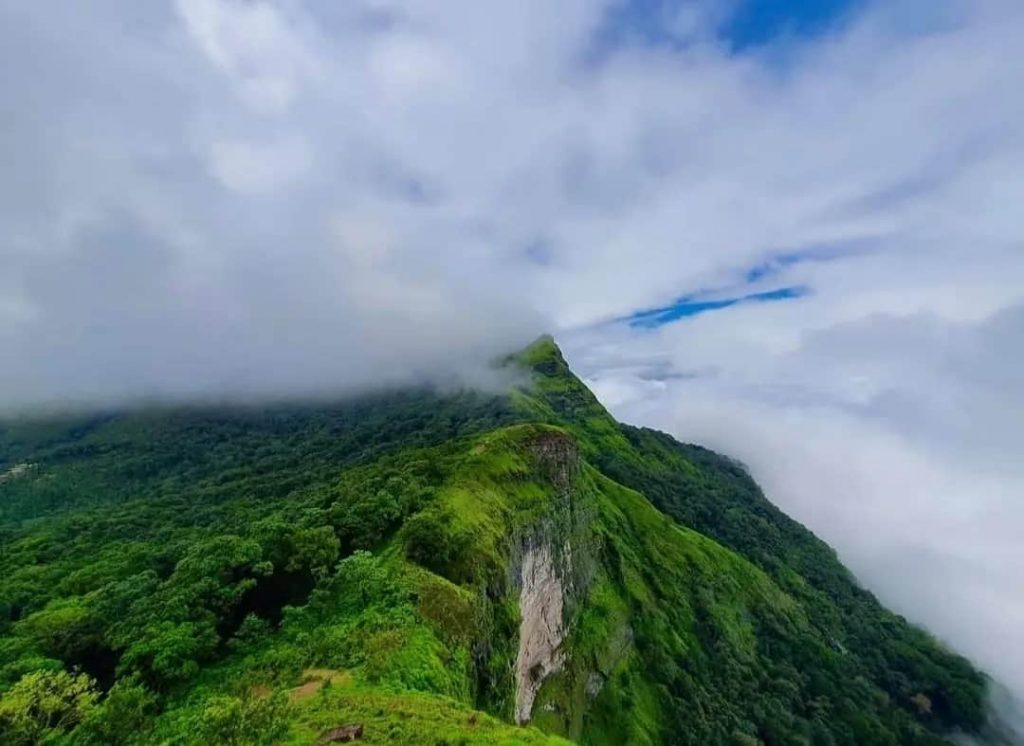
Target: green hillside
[439, 569]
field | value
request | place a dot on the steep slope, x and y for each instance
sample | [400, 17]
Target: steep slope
[436, 569]
[716, 497]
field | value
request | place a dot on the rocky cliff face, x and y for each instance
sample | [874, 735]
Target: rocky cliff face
[542, 626]
[554, 569]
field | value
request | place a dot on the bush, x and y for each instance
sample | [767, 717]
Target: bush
[238, 721]
[124, 716]
[43, 704]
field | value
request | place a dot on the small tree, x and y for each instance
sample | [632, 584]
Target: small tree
[124, 716]
[234, 721]
[45, 703]
[432, 541]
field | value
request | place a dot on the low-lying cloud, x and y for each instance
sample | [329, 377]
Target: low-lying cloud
[245, 198]
[895, 439]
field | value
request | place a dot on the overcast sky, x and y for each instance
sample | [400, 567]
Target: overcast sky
[795, 235]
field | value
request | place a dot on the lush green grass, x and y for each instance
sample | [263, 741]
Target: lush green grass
[866, 685]
[262, 575]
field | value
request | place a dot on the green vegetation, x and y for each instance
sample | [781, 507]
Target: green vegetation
[263, 575]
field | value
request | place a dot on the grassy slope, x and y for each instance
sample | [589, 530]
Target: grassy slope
[748, 631]
[393, 632]
[890, 662]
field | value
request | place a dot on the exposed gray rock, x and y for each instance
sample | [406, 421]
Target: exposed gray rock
[552, 564]
[541, 629]
[18, 470]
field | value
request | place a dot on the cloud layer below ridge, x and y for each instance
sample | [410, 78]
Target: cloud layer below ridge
[231, 198]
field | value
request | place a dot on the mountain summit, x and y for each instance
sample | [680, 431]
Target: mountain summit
[421, 567]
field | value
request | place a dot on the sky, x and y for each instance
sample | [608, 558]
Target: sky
[787, 230]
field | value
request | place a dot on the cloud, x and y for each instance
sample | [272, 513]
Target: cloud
[227, 198]
[895, 438]
[258, 168]
[255, 44]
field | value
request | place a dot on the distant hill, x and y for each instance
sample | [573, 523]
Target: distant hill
[434, 568]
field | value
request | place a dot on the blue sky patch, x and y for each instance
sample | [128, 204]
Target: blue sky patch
[773, 266]
[688, 306]
[751, 23]
[778, 263]
[758, 22]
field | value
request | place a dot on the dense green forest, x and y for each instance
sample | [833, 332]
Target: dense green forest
[262, 575]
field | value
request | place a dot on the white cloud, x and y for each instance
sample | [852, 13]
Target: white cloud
[256, 44]
[895, 438]
[258, 168]
[240, 198]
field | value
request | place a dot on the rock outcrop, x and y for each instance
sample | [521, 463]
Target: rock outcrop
[541, 629]
[554, 570]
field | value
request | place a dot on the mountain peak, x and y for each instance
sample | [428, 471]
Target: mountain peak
[543, 355]
[440, 564]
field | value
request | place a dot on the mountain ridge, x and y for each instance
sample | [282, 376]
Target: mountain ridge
[439, 564]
